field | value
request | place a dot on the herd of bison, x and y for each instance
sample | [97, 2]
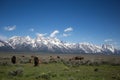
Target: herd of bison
[72, 60]
[36, 60]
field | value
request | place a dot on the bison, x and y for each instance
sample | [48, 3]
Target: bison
[77, 58]
[36, 61]
[13, 59]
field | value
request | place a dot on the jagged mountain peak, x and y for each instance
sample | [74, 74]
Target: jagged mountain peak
[41, 43]
[108, 47]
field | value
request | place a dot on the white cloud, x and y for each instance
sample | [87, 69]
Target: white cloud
[68, 29]
[53, 34]
[3, 37]
[108, 40]
[10, 28]
[66, 35]
[113, 43]
[41, 35]
[31, 29]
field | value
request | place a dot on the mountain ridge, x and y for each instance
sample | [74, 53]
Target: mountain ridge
[48, 44]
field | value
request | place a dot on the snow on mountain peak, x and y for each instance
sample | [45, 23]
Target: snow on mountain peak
[1, 44]
[55, 45]
[28, 38]
[108, 47]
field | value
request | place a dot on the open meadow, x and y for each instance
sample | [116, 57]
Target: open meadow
[59, 67]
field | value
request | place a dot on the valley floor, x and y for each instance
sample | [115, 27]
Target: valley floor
[99, 67]
[58, 71]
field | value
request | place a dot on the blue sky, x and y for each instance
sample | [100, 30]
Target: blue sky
[95, 21]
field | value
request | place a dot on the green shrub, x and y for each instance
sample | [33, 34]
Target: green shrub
[17, 72]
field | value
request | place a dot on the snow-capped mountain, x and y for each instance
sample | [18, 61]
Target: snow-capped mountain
[5, 46]
[48, 44]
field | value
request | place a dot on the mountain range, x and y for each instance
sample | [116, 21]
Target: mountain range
[54, 45]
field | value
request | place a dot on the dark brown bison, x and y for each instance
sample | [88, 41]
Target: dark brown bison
[13, 59]
[36, 61]
[58, 57]
[77, 58]
[22, 56]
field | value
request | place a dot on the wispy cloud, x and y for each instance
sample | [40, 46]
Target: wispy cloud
[10, 28]
[114, 43]
[108, 40]
[66, 35]
[54, 33]
[3, 37]
[31, 29]
[68, 29]
[41, 35]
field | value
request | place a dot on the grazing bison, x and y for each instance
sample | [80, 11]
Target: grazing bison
[77, 58]
[22, 56]
[58, 57]
[36, 61]
[13, 59]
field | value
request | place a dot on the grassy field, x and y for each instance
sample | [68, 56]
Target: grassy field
[56, 71]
